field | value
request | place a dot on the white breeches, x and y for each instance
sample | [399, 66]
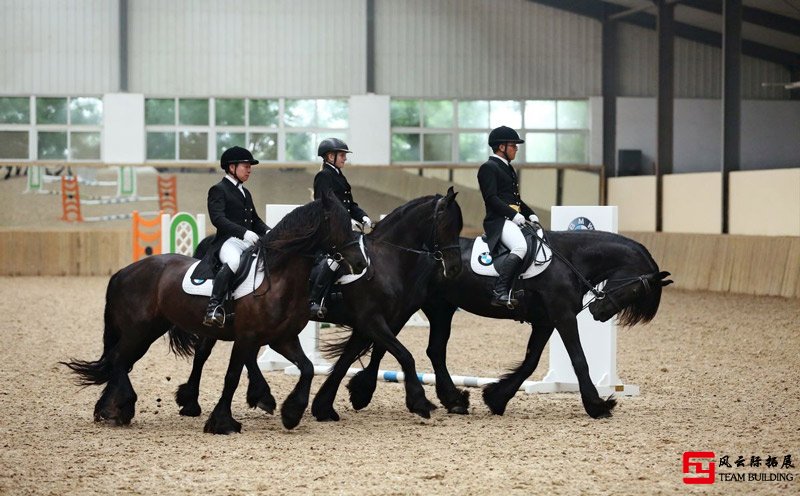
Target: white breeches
[231, 252]
[513, 239]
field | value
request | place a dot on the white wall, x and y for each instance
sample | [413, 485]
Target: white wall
[370, 132]
[123, 128]
[484, 49]
[290, 48]
[770, 133]
[58, 47]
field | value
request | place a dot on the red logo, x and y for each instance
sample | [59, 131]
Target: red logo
[702, 475]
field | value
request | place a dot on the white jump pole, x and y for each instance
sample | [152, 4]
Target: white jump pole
[309, 337]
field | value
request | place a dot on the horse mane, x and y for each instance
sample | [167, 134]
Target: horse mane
[397, 215]
[297, 232]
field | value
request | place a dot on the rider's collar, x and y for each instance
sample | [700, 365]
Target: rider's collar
[336, 169]
[500, 158]
[235, 181]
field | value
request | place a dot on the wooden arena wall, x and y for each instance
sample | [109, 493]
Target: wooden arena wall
[758, 265]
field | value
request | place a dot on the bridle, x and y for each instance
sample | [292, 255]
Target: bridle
[336, 254]
[437, 251]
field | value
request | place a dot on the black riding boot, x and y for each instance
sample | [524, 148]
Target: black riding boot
[215, 314]
[501, 296]
[322, 284]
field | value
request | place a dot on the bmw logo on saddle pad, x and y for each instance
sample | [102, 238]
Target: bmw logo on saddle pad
[485, 259]
[580, 224]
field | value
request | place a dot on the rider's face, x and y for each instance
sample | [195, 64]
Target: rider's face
[511, 150]
[241, 171]
[339, 159]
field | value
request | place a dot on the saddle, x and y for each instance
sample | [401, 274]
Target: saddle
[244, 281]
[537, 257]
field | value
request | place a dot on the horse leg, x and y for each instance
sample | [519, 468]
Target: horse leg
[416, 402]
[187, 393]
[440, 316]
[221, 420]
[322, 407]
[497, 395]
[595, 406]
[258, 392]
[362, 385]
[297, 401]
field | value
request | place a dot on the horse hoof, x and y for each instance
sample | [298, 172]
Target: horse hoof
[222, 426]
[268, 405]
[326, 415]
[602, 408]
[190, 410]
[458, 410]
[490, 396]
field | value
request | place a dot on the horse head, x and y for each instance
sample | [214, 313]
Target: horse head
[635, 298]
[342, 241]
[447, 224]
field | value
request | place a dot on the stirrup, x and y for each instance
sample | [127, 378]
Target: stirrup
[213, 319]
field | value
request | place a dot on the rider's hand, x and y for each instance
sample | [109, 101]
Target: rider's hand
[250, 237]
[367, 222]
[518, 220]
[534, 219]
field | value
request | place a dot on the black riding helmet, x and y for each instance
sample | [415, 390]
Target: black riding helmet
[235, 155]
[503, 134]
[332, 145]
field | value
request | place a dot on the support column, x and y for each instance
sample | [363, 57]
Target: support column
[665, 112]
[731, 99]
[610, 78]
[123, 46]
[370, 46]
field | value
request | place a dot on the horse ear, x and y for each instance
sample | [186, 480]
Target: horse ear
[662, 274]
[666, 282]
[451, 195]
[450, 191]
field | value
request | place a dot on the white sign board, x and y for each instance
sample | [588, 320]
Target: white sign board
[598, 339]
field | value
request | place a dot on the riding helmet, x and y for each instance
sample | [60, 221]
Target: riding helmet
[332, 145]
[504, 134]
[236, 155]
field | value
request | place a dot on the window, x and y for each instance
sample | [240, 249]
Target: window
[51, 128]
[447, 131]
[274, 130]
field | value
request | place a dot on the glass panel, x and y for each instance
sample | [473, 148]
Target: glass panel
[161, 146]
[438, 113]
[300, 147]
[333, 113]
[300, 113]
[159, 111]
[84, 146]
[193, 146]
[264, 113]
[540, 147]
[13, 144]
[52, 146]
[193, 112]
[473, 114]
[505, 113]
[405, 147]
[437, 147]
[15, 111]
[83, 111]
[540, 114]
[572, 148]
[227, 140]
[473, 147]
[405, 113]
[229, 112]
[51, 111]
[264, 146]
[573, 114]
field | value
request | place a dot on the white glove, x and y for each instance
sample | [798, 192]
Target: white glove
[534, 219]
[250, 237]
[367, 222]
[518, 219]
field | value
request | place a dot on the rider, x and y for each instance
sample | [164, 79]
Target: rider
[231, 210]
[330, 179]
[505, 210]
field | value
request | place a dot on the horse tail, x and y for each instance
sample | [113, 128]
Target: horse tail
[334, 348]
[182, 343]
[99, 371]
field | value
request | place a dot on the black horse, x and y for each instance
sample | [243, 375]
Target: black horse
[405, 250]
[551, 300]
[144, 300]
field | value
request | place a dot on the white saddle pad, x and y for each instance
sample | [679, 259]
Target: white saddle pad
[482, 264]
[202, 287]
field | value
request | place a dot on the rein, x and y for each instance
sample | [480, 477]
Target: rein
[598, 294]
